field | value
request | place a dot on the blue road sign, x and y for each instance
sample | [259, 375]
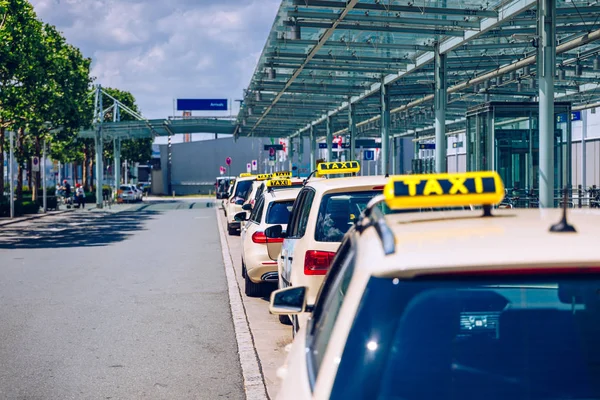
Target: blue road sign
[368, 155]
[427, 146]
[334, 145]
[202, 104]
[575, 116]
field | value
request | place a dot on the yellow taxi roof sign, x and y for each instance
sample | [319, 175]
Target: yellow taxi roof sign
[279, 183]
[444, 190]
[339, 167]
[282, 174]
[245, 174]
[263, 177]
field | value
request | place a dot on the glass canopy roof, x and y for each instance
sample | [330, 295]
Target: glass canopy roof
[320, 55]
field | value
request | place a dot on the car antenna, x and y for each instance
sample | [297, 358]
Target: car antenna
[308, 177]
[563, 225]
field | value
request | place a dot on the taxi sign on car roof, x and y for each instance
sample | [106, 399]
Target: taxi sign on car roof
[263, 177]
[439, 190]
[279, 183]
[340, 167]
[282, 174]
[245, 174]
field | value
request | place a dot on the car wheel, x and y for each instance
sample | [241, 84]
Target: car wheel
[243, 269]
[252, 289]
[294, 325]
[231, 231]
[284, 319]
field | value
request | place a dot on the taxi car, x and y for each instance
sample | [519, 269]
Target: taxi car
[252, 195]
[273, 207]
[296, 183]
[499, 304]
[233, 204]
[324, 211]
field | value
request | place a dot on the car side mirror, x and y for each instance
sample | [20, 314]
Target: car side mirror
[247, 207]
[274, 232]
[290, 301]
[240, 217]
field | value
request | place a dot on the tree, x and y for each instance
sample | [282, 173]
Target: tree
[20, 34]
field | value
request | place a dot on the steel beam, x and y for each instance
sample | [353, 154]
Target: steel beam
[546, 69]
[385, 130]
[386, 7]
[329, 140]
[352, 131]
[353, 44]
[441, 99]
[313, 149]
[99, 145]
[376, 28]
[347, 7]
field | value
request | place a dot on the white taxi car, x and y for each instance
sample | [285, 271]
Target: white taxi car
[503, 304]
[324, 211]
[233, 204]
[273, 208]
[296, 183]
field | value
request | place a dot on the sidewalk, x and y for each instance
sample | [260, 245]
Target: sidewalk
[115, 208]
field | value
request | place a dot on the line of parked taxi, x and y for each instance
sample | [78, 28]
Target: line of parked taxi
[390, 302]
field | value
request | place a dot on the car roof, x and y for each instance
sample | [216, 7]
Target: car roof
[282, 194]
[464, 240]
[347, 182]
[246, 178]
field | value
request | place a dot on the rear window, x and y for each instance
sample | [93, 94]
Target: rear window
[126, 188]
[279, 212]
[472, 338]
[338, 212]
[242, 188]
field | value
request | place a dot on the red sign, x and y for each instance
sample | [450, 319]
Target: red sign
[228, 161]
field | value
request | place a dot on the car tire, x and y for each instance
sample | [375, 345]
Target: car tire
[252, 289]
[294, 323]
[284, 319]
[243, 269]
[231, 231]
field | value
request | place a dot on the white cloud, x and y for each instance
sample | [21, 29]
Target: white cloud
[160, 50]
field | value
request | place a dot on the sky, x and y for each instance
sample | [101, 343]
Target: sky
[160, 50]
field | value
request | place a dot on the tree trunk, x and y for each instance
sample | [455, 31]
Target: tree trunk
[84, 173]
[29, 174]
[75, 174]
[20, 137]
[2, 130]
[90, 169]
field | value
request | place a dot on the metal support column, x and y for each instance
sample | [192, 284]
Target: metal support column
[440, 101]
[352, 130]
[394, 156]
[11, 172]
[169, 166]
[546, 64]
[313, 149]
[117, 151]
[99, 149]
[584, 120]
[329, 140]
[44, 189]
[385, 129]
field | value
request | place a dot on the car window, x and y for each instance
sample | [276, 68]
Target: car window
[295, 216]
[497, 337]
[305, 212]
[279, 212]
[328, 305]
[338, 212]
[257, 211]
[242, 188]
[260, 191]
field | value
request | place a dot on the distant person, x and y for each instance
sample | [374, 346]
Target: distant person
[67, 189]
[80, 196]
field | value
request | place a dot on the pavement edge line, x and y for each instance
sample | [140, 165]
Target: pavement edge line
[254, 384]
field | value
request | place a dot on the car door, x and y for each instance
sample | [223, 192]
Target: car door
[292, 227]
[299, 223]
[249, 227]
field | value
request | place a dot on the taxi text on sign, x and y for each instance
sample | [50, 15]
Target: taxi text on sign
[279, 182]
[342, 167]
[282, 174]
[245, 175]
[263, 177]
[440, 190]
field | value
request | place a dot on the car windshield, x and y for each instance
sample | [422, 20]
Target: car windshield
[472, 338]
[242, 189]
[338, 212]
[279, 212]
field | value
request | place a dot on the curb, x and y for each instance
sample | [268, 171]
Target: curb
[254, 383]
[35, 216]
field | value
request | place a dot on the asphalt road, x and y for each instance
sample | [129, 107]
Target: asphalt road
[117, 306]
